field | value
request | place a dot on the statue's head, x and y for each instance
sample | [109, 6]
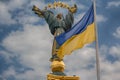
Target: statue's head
[59, 16]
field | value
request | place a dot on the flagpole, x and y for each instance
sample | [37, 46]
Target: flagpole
[97, 46]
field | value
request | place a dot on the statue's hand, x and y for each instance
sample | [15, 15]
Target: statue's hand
[35, 8]
[73, 9]
[37, 11]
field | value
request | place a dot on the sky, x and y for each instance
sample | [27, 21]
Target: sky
[26, 42]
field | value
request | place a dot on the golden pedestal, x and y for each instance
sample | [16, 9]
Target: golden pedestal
[57, 67]
[55, 77]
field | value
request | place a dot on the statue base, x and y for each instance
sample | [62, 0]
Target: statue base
[57, 77]
[57, 68]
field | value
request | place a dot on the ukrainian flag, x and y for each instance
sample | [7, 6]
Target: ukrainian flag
[80, 34]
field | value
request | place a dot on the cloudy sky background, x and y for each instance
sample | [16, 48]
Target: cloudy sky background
[25, 41]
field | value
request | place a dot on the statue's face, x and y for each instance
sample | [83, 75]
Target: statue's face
[59, 16]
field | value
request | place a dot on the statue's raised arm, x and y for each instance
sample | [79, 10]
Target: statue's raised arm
[49, 17]
[37, 11]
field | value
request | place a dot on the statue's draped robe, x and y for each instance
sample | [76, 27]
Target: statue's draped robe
[58, 26]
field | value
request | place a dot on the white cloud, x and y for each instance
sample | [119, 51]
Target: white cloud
[33, 40]
[27, 16]
[100, 18]
[7, 56]
[113, 4]
[33, 46]
[5, 15]
[28, 75]
[17, 4]
[77, 63]
[23, 17]
[117, 33]
[27, 19]
[115, 51]
[9, 72]
[6, 11]
[109, 68]
[81, 6]
[110, 71]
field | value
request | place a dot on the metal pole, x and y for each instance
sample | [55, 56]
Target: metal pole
[97, 46]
